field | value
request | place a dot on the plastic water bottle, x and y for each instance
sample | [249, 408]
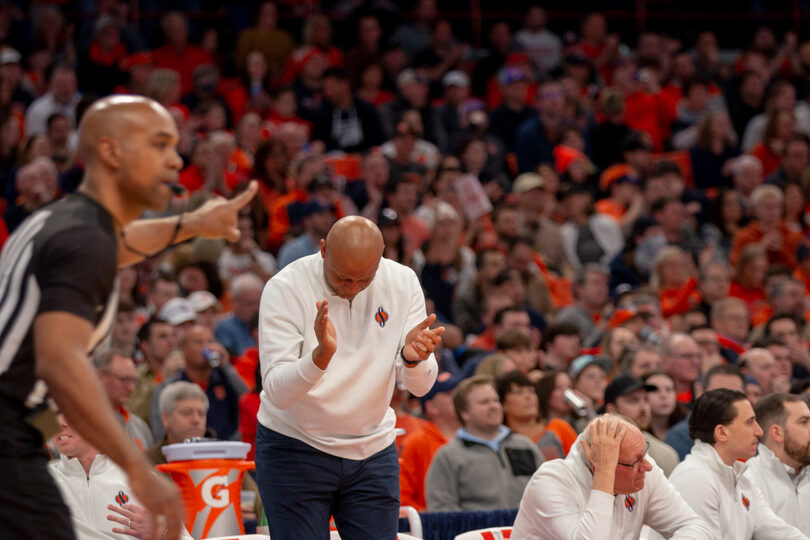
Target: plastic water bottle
[213, 358]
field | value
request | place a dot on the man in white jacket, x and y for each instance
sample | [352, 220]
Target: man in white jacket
[95, 489]
[336, 329]
[605, 489]
[780, 468]
[711, 478]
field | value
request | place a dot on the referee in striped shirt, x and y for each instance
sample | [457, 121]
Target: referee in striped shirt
[58, 301]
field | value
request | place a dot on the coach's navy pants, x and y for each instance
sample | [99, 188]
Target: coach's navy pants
[301, 487]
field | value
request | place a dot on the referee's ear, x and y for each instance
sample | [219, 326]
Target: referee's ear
[110, 151]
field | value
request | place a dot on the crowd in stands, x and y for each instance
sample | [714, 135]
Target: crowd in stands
[599, 227]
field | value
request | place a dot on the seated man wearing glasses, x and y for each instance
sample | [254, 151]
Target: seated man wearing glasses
[606, 488]
[118, 376]
[711, 478]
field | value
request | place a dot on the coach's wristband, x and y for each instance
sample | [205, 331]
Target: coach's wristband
[409, 363]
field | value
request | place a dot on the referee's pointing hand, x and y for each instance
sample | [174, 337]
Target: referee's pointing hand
[219, 218]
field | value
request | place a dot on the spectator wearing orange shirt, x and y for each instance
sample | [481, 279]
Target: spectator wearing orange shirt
[785, 296]
[317, 41]
[673, 277]
[768, 229]
[248, 137]
[553, 407]
[99, 68]
[779, 129]
[521, 413]
[205, 168]
[625, 201]
[643, 106]
[306, 170]
[599, 46]
[730, 319]
[419, 446]
[177, 54]
[749, 278]
[283, 110]
[506, 318]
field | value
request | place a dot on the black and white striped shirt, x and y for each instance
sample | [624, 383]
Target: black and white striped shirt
[62, 258]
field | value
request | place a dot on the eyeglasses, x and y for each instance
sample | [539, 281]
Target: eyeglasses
[121, 378]
[637, 463]
[687, 356]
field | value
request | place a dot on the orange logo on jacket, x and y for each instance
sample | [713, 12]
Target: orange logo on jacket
[746, 502]
[122, 498]
[381, 316]
[629, 502]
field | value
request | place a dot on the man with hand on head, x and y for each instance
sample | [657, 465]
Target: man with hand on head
[61, 268]
[780, 468]
[336, 330]
[711, 478]
[606, 488]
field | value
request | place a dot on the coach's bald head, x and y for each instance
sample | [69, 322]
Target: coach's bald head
[351, 254]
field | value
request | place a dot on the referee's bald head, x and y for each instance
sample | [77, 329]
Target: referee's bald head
[116, 117]
[129, 148]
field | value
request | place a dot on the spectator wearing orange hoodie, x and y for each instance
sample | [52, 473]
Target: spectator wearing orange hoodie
[768, 229]
[419, 446]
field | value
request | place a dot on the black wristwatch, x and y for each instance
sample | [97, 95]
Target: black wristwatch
[409, 363]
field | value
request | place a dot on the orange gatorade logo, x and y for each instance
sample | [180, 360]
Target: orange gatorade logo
[214, 492]
[746, 502]
[381, 317]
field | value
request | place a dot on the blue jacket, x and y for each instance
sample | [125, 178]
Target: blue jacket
[531, 145]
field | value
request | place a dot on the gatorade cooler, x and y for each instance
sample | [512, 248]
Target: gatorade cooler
[209, 475]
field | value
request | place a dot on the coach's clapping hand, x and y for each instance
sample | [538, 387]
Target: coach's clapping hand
[325, 333]
[422, 340]
[602, 451]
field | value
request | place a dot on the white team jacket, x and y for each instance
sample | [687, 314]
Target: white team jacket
[787, 494]
[87, 496]
[342, 411]
[727, 500]
[558, 504]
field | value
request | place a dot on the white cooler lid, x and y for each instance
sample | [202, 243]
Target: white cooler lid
[206, 450]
